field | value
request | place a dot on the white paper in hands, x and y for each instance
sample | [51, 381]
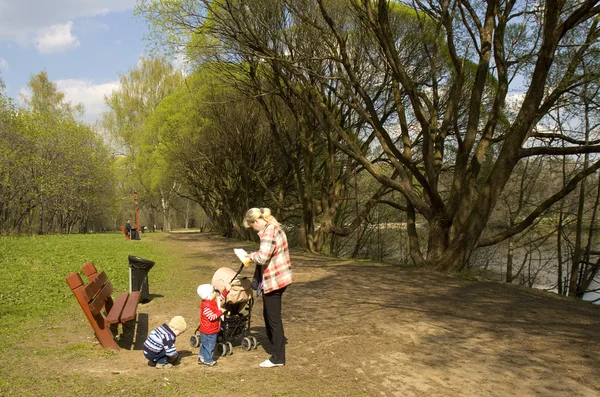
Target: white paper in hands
[242, 255]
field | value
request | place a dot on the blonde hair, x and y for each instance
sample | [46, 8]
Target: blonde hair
[259, 213]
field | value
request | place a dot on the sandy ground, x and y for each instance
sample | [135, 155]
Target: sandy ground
[362, 328]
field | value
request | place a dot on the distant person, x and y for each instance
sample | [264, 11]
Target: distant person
[159, 347]
[132, 231]
[272, 275]
[210, 323]
[129, 228]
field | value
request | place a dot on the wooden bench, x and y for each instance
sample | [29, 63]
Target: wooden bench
[124, 231]
[95, 299]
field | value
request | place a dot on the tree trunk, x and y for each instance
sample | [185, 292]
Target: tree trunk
[559, 278]
[577, 251]
[509, 262]
[438, 238]
[165, 212]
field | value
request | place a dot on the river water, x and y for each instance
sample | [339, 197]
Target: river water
[592, 296]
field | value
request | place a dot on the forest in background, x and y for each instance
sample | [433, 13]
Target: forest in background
[457, 135]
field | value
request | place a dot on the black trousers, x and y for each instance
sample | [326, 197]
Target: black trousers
[274, 324]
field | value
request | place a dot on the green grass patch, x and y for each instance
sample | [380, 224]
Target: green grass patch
[33, 271]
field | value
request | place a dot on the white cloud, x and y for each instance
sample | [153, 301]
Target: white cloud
[56, 38]
[88, 93]
[179, 61]
[3, 64]
[24, 93]
[22, 20]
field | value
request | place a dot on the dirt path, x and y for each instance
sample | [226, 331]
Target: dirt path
[365, 329]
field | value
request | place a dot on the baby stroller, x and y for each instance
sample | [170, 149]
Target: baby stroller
[235, 322]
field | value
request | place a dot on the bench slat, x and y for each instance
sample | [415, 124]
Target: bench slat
[129, 312]
[89, 269]
[114, 315]
[100, 299]
[93, 287]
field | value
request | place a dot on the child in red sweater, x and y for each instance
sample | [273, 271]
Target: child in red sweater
[210, 321]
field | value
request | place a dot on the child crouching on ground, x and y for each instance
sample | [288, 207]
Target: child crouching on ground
[210, 323]
[159, 347]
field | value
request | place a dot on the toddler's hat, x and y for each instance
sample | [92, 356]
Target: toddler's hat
[205, 291]
[178, 323]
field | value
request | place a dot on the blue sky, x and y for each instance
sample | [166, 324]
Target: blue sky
[83, 45]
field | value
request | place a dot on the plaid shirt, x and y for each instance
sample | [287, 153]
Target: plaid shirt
[274, 258]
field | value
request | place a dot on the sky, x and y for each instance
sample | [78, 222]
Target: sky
[83, 45]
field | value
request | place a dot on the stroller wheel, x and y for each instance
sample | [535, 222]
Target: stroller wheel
[229, 348]
[221, 349]
[195, 340]
[246, 344]
[254, 342]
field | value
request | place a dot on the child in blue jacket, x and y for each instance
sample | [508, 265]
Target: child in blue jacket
[159, 347]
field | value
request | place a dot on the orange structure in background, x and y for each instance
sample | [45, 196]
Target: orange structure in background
[137, 222]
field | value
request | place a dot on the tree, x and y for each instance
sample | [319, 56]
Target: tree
[217, 145]
[55, 170]
[297, 135]
[16, 197]
[140, 92]
[580, 239]
[46, 99]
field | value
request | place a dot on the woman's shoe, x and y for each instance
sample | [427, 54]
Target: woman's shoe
[269, 364]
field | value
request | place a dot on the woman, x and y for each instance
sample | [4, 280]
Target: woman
[274, 273]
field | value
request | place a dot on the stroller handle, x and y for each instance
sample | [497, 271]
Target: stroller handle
[238, 272]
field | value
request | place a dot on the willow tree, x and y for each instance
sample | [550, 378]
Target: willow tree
[449, 122]
[218, 146]
[297, 135]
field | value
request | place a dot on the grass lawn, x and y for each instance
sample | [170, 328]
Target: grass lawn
[33, 269]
